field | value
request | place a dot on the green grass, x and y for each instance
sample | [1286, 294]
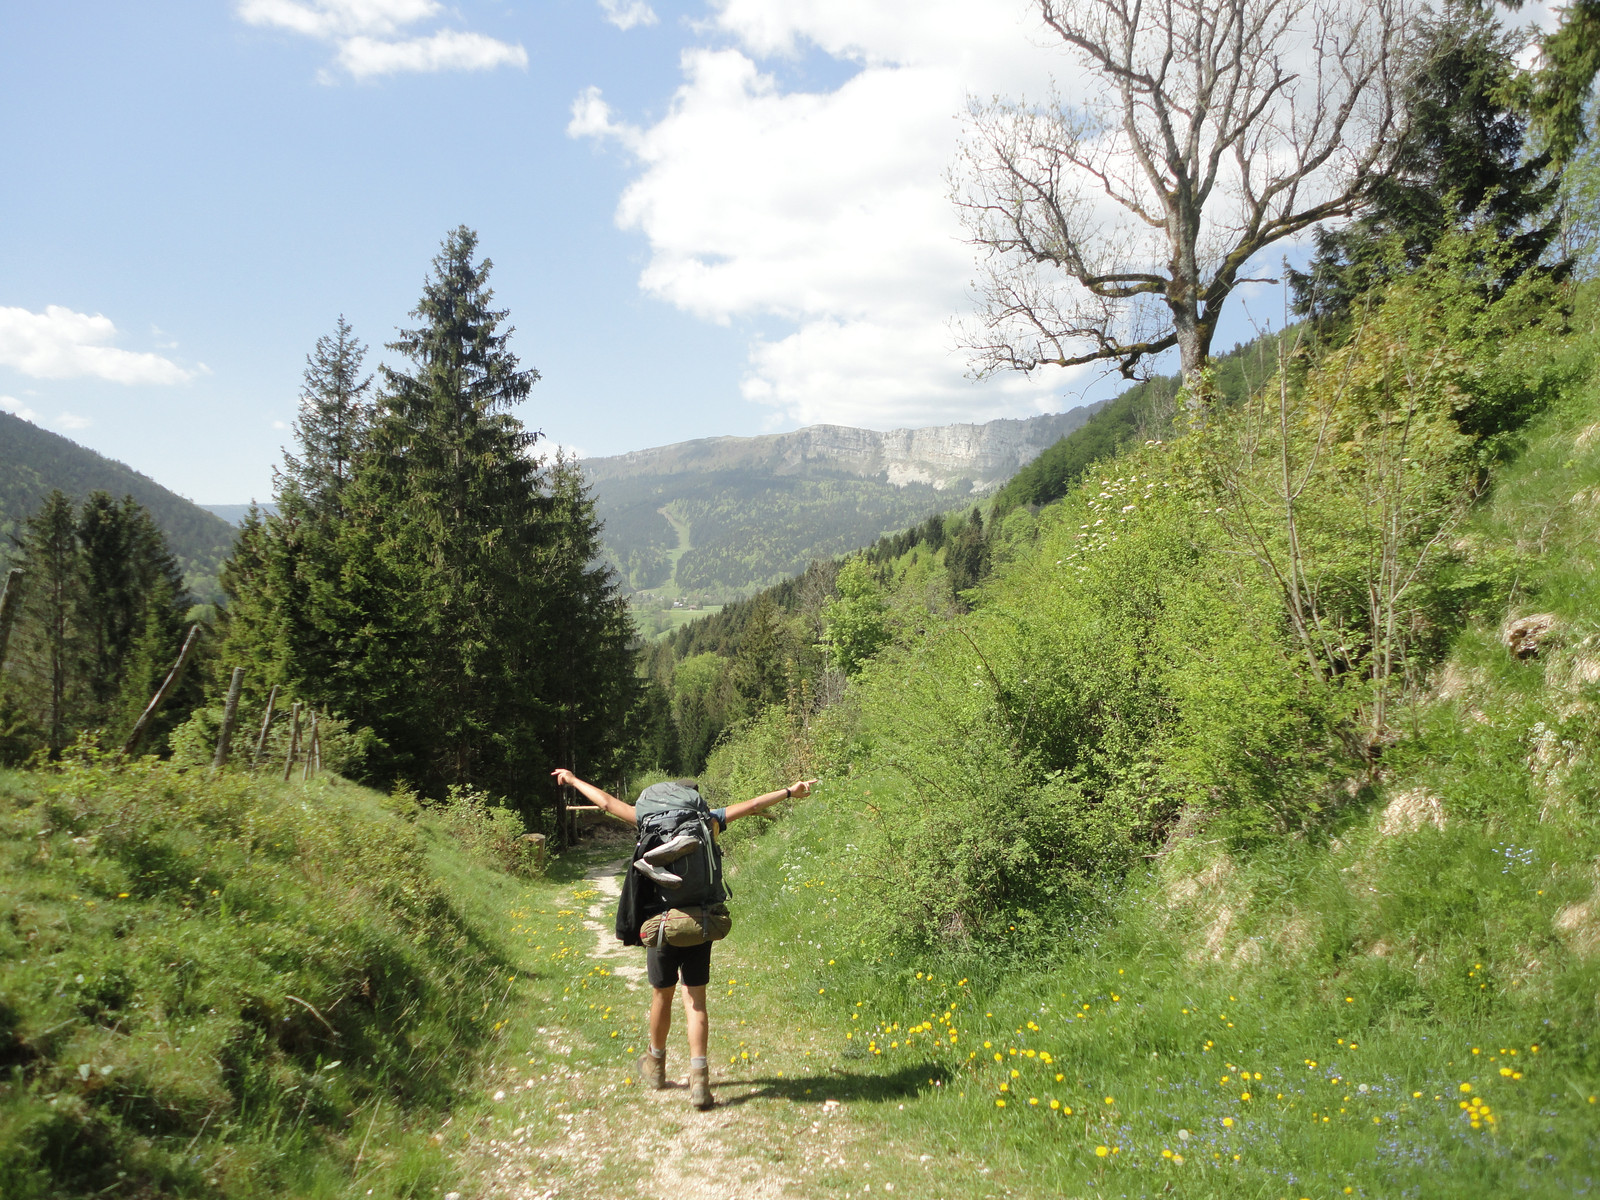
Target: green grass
[1379, 981]
[1356, 1057]
[231, 986]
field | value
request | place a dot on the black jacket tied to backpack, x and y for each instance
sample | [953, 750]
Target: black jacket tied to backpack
[666, 811]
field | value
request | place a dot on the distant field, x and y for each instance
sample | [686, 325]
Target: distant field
[655, 623]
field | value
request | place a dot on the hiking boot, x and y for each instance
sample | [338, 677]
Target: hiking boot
[653, 1071]
[650, 871]
[673, 850]
[700, 1088]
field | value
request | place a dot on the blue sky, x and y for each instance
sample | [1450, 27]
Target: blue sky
[707, 217]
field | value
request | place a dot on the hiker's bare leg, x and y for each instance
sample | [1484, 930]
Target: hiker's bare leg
[694, 1011]
[661, 1016]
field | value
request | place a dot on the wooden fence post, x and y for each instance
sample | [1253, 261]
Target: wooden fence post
[311, 747]
[160, 698]
[266, 724]
[294, 741]
[10, 605]
[230, 713]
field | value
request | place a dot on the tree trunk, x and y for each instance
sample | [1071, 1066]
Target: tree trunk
[10, 602]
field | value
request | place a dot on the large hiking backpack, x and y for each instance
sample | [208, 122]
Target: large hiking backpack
[675, 818]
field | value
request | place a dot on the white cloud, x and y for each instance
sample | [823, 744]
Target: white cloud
[62, 344]
[447, 50]
[369, 37]
[64, 420]
[337, 18]
[591, 117]
[625, 14]
[18, 409]
[829, 211]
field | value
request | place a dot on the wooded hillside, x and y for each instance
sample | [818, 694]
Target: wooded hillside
[34, 462]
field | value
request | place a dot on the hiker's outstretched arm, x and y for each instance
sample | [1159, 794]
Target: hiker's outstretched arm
[744, 808]
[604, 801]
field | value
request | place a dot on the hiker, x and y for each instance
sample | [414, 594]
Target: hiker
[676, 879]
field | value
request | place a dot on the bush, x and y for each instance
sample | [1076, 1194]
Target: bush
[492, 832]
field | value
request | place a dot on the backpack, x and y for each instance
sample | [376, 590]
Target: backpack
[673, 813]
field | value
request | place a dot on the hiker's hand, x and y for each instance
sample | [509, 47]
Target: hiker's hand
[802, 788]
[564, 777]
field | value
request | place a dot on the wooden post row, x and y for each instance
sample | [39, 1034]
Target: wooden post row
[266, 725]
[230, 713]
[162, 692]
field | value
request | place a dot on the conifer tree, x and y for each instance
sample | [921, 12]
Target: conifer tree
[448, 541]
[595, 687]
[53, 645]
[1462, 164]
[333, 421]
[133, 597]
[102, 618]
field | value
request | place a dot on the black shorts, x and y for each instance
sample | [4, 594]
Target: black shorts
[666, 963]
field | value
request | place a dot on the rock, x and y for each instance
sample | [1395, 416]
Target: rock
[1524, 636]
[982, 455]
[1410, 811]
[1579, 926]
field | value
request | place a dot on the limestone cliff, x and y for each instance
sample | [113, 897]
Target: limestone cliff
[979, 457]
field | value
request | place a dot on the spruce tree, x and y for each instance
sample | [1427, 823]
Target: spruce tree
[596, 692]
[132, 598]
[332, 424]
[1462, 165]
[52, 653]
[448, 543]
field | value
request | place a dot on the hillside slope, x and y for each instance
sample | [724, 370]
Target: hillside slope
[1317, 970]
[34, 461]
[720, 517]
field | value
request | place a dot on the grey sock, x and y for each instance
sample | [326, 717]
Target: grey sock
[697, 1063]
[661, 1053]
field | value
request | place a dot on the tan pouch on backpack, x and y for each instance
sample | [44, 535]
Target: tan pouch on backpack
[687, 927]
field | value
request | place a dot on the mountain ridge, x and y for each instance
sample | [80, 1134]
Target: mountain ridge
[941, 456]
[718, 518]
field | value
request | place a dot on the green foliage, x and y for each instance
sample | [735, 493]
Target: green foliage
[426, 576]
[221, 987]
[1564, 87]
[490, 831]
[100, 625]
[1463, 166]
[1143, 412]
[855, 625]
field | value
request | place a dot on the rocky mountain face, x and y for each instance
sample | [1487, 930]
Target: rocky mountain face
[981, 457]
[720, 517]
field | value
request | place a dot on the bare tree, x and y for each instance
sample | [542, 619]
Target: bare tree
[1115, 228]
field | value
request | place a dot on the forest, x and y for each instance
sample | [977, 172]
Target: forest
[1214, 811]
[427, 583]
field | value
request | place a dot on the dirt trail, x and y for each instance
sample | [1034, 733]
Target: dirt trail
[620, 1139]
[625, 962]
